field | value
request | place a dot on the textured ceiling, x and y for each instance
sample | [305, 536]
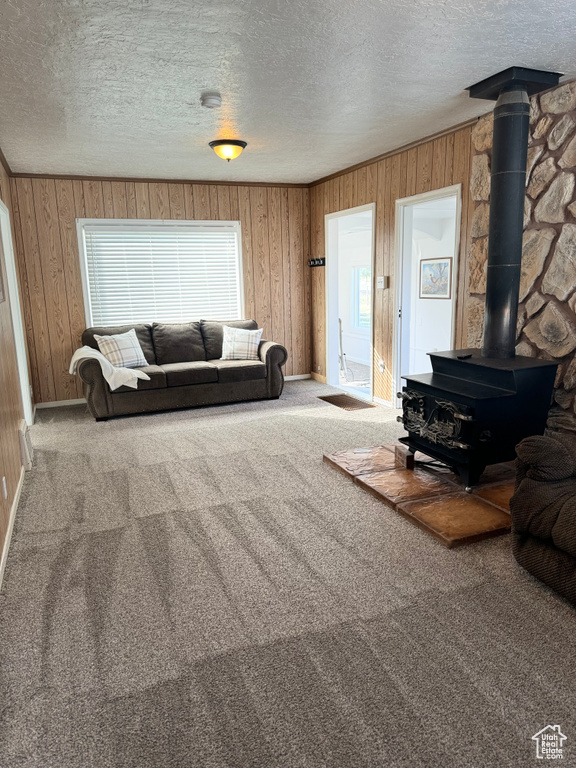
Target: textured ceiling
[111, 87]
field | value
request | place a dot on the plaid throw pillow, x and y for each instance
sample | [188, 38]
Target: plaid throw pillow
[239, 344]
[123, 350]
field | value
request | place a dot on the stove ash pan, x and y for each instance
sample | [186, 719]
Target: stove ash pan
[472, 411]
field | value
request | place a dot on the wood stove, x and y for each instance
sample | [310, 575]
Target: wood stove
[476, 405]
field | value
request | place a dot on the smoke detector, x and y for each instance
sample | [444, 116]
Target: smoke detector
[211, 99]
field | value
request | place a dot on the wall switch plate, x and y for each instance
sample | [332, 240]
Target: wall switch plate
[382, 282]
[4, 488]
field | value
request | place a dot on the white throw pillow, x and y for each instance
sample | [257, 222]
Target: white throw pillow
[123, 349]
[240, 344]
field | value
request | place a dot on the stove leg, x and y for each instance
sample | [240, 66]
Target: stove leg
[470, 474]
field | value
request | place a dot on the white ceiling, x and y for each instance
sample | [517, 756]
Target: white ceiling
[111, 87]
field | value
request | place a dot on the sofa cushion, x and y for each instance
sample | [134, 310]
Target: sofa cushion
[123, 350]
[213, 333]
[239, 370]
[182, 374]
[143, 332]
[157, 379]
[240, 344]
[178, 343]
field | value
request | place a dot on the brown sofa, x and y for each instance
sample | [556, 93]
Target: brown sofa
[543, 510]
[185, 370]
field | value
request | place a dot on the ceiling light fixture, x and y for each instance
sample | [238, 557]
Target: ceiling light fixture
[228, 149]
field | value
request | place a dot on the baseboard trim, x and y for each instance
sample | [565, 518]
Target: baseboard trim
[11, 525]
[60, 403]
[318, 377]
[297, 377]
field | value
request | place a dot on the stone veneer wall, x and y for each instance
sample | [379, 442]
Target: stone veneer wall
[547, 311]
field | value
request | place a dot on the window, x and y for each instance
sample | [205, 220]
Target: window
[361, 297]
[163, 271]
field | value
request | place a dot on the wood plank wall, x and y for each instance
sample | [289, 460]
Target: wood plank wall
[275, 248]
[432, 165]
[10, 401]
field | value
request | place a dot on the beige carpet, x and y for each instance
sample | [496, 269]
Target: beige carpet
[198, 589]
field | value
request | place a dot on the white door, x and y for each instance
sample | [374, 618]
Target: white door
[428, 235]
[349, 279]
[7, 252]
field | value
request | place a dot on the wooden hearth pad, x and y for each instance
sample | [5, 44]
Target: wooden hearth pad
[430, 496]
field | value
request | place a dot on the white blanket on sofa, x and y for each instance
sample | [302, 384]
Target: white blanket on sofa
[116, 377]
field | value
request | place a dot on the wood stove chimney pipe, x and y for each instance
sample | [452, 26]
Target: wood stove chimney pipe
[512, 89]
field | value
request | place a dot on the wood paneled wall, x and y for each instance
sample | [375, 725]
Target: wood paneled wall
[10, 400]
[275, 248]
[432, 165]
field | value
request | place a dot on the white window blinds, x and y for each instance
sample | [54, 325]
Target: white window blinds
[136, 272]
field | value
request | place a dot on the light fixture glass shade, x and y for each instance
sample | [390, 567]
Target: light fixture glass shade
[228, 149]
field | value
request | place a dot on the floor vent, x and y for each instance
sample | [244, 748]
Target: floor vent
[346, 402]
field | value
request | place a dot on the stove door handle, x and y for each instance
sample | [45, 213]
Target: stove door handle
[464, 416]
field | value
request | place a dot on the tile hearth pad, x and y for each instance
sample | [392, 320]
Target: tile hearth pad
[431, 496]
[396, 485]
[458, 519]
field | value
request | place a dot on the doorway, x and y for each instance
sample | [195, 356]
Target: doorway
[7, 252]
[427, 236]
[349, 279]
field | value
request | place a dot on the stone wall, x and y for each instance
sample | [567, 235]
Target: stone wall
[547, 311]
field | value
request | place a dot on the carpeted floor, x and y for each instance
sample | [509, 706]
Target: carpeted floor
[198, 589]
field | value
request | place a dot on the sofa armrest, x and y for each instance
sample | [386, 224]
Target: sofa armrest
[272, 353]
[545, 459]
[544, 500]
[95, 387]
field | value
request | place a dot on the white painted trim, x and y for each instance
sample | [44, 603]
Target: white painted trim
[16, 313]
[154, 224]
[401, 204]
[11, 519]
[327, 219]
[298, 376]
[380, 401]
[60, 403]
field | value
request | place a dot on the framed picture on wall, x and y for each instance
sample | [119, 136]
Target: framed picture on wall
[436, 278]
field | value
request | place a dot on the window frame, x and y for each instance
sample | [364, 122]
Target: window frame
[82, 223]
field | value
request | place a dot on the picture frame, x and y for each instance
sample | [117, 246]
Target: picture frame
[436, 278]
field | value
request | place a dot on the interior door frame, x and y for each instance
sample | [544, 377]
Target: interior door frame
[328, 277]
[401, 205]
[13, 293]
